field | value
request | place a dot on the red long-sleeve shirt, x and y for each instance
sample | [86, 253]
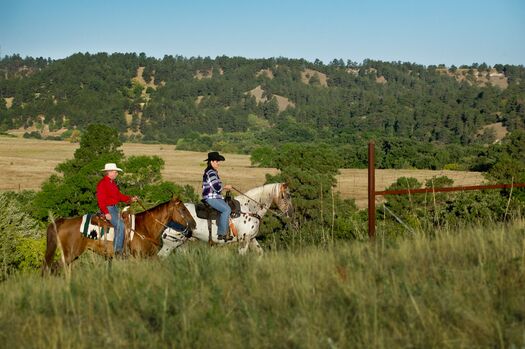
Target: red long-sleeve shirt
[108, 194]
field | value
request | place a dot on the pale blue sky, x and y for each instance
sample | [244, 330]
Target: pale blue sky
[419, 31]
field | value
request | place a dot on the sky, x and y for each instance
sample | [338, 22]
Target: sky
[427, 32]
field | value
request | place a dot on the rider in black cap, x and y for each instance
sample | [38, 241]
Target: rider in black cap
[211, 193]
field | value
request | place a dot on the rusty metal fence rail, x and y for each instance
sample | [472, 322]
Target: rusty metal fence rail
[372, 193]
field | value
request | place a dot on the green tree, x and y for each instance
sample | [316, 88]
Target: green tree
[419, 110]
[310, 172]
[96, 142]
[141, 171]
[73, 192]
[263, 156]
[510, 164]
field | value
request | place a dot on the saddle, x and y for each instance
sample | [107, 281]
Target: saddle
[94, 226]
[205, 211]
[100, 220]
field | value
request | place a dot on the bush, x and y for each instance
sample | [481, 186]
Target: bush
[431, 210]
[33, 134]
[321, 215]
[21, 238]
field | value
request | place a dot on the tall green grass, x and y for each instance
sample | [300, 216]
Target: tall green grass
[461, 289]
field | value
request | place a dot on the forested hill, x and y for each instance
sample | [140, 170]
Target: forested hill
[261, 101]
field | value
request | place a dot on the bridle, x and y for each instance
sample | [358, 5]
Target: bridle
[181, 213]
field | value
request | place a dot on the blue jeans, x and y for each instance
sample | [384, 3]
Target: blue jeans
[118, 224]
[225, 210]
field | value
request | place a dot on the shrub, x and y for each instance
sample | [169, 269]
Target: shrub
[20, 235]
[33, 134]
[320, 213]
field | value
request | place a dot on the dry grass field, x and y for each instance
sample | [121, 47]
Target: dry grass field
[26, 163]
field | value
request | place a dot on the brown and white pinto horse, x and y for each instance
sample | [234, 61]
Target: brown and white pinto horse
[149, 225]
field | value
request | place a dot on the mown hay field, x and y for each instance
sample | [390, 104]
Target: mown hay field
[27, 163]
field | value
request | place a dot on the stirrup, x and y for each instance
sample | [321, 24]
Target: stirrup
[225, 238]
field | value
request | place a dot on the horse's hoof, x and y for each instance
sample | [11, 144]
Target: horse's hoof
[120, 256]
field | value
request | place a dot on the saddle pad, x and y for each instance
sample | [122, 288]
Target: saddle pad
[95, 232]
[205, 211]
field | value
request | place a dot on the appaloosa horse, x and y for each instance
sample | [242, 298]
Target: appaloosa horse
[149, 225]
[254, 205]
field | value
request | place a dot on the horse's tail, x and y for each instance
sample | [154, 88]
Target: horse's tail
[51, 245]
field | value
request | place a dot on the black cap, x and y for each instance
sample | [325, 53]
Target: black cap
[214, 155]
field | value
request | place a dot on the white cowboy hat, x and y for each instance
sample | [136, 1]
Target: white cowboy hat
[111, 167]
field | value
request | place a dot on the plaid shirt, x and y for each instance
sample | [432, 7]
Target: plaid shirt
[211, 184]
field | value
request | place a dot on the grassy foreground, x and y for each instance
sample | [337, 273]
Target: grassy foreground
[456, 290]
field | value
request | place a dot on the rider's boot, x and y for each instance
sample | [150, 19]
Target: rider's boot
[228, 236]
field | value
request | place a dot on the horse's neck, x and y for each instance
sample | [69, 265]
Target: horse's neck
[151, 221]
[258, 199]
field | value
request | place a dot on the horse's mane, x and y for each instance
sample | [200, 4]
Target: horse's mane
[154, 209]
[262, 188]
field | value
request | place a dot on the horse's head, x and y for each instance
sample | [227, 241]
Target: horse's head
[283, 199]
[180, 214]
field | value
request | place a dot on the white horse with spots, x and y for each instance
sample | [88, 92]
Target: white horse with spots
[254, 205]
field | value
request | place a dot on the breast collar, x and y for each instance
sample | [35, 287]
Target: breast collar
[254, 215]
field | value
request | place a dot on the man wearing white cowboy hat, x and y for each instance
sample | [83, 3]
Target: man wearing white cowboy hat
[108, 197]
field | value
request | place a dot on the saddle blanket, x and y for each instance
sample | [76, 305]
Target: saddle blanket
[95, 232]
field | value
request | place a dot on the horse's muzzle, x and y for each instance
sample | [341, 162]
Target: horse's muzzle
[192, 224]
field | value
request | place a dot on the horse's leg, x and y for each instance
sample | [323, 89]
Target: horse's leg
[71, 241]
[60, 238]
[171, 239]
[210, 240]
[140, 247]
[244, 242]
[167, 247]
[51, 246]
[254, 246]
[69, 248]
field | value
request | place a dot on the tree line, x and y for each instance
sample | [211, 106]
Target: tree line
[201, 103]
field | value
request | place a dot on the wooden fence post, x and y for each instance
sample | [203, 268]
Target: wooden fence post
[371, 191]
